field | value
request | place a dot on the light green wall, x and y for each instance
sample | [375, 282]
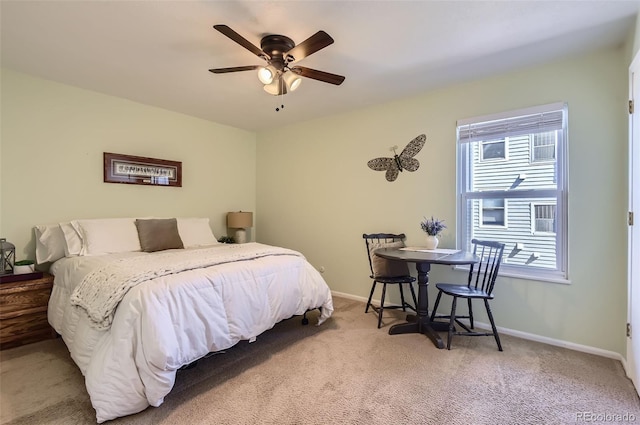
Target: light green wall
[316, 193]
[52, 140]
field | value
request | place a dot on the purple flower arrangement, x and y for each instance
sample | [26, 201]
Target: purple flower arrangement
[432, 226]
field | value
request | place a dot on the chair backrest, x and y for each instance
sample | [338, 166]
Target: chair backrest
[490, 254]
[374, 239]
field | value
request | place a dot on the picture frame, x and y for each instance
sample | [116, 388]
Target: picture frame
[129, 169]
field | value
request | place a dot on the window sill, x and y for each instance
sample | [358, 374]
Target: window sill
[541, 278]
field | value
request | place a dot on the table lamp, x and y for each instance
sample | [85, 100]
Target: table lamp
[240, 221]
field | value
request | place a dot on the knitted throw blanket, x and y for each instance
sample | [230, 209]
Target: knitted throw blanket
[99, 293]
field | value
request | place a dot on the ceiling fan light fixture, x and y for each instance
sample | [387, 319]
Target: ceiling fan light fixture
[266, 74]
[292, 80]
[276, 87]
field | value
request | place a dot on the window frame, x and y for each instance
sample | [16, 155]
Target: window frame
[559, 274]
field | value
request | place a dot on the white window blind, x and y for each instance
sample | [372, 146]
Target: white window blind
[528, 121]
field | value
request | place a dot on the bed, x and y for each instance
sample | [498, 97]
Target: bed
[131, 317]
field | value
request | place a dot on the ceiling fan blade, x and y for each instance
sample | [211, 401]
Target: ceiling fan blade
[318, 75]
[317, 41]
[234, 69]
[241, 41]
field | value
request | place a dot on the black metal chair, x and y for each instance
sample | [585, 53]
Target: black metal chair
[387, 272]
[479, 285]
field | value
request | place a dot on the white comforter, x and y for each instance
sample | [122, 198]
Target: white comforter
[170, 321]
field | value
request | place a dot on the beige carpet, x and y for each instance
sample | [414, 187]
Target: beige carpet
[345, 372]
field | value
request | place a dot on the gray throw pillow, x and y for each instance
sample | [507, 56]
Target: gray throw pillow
[158, 234]
[387, 268]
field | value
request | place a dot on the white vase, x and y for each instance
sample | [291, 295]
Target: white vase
[432, 242]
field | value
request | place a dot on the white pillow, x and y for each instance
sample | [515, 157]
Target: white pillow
[195, 232]
[73, 242]
[107, 235]
[50, 243]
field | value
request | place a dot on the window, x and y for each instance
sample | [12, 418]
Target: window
[494, 149]
[543, 146]
[493, 212]
[520, 200]
[544, 218]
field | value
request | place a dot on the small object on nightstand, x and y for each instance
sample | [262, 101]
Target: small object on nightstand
[7, 256]
[226, 239]
[23, 311]
[24, 267]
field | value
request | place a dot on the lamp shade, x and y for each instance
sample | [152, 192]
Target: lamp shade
[292, 80]
[266, 74]
[239, 220]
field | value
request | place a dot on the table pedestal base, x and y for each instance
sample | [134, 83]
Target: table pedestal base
[430, 329]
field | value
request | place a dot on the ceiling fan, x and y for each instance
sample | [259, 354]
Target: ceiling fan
[280, 52]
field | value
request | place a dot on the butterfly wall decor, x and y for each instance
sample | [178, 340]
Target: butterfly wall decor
[404, 161]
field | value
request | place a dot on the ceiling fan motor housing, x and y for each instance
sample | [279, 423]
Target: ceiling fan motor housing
[275, 46]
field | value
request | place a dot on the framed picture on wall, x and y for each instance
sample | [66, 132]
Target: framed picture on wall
[128, 169]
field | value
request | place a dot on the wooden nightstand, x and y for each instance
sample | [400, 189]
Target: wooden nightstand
[23, 311]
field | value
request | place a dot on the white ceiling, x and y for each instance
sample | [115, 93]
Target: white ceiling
[159, 52]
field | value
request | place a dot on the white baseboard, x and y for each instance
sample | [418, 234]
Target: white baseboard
[526, 335]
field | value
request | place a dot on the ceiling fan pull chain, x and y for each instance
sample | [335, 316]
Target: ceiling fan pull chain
[281, 99]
